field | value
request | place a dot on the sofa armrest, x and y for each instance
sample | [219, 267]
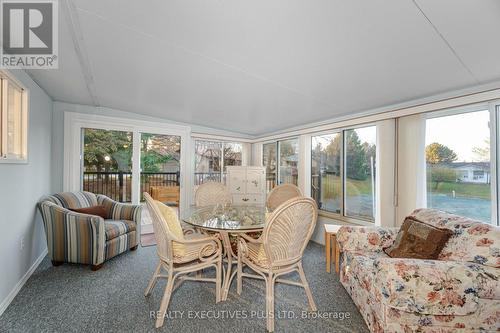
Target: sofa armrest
[363, 239]
[120, 211]
[73, 237]
[427, 286]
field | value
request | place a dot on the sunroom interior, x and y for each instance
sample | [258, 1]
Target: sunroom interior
[383, 115]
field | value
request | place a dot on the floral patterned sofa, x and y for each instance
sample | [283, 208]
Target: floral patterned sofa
[459, 292]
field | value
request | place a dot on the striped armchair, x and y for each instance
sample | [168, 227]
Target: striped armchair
[88, 239]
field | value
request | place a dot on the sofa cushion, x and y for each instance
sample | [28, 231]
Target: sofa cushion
[116, 228]
[418, 240]
[485, 319]
[427, 286]
[93, 210]
[488, 281]
[472, 240]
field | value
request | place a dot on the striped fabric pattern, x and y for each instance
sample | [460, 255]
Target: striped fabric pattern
[120, 244]
[71, 200]
[87, 239]
[116, 228]
[73, 237]
[120, 211]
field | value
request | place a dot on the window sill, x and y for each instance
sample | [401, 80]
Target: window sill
[13, 161]
[344, 219]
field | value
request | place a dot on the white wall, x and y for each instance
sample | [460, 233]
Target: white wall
[411, 186]
[386, 166]
[21, 185]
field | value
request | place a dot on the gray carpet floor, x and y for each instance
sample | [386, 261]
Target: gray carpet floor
[72, 298]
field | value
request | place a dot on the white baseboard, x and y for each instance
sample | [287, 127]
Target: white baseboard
[6, 302]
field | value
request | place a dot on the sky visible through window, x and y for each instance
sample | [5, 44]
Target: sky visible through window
[461, 132]
[458, 164]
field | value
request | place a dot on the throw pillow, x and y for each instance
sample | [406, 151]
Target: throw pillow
[93, 210]
[418, 240]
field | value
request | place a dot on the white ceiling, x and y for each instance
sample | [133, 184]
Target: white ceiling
[260, 66]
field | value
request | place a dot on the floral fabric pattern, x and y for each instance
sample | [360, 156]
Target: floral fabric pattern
[373, 239]
[473, 241]
[413, 295]
[427, 286]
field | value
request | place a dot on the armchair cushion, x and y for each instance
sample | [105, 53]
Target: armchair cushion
[427, 286]
[116, 228]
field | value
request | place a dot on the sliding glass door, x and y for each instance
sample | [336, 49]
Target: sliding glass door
[160, 163]
[107, 163]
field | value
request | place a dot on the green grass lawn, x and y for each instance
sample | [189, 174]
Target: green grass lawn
[481, 191]
[330, 186]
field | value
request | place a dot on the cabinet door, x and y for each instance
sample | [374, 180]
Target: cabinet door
[237, 180]
[248, 199]
[256, 178]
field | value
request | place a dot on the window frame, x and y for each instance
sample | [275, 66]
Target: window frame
[278, 153]
[222, 143]
[493, 107]
[342, 216]
[5, 80]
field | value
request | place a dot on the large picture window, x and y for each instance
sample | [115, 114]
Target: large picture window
[284, 154]
[343, 172]
[212, 158]
[457, 152]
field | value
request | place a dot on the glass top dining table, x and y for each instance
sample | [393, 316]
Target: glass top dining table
[231, 218]
[227, 219]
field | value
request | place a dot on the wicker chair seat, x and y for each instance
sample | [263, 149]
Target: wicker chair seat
[183, 253]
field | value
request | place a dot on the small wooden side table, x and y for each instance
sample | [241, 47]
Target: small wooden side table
[332, 249]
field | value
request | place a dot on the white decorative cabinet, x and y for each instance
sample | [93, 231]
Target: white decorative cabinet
[247, 184]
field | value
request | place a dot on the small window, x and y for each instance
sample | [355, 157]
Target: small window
[13, 119]
[212, 158]
[281, 161]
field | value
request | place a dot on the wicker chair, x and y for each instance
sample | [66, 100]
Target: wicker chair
[280, 194]
[181, 253]
[279, 250]
[212, 193]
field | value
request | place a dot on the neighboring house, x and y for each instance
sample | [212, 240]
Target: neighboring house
[171, 165]
[472, 172]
